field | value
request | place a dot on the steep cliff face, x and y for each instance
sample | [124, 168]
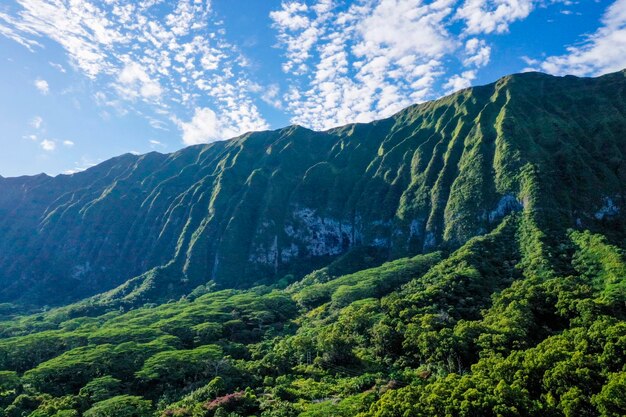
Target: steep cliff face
[270, 203]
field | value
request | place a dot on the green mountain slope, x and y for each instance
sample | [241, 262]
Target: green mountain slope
[509, 324]
[259, 207]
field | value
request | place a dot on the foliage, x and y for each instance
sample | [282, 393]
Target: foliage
[481, 331]
[121, 406]
[501, 309]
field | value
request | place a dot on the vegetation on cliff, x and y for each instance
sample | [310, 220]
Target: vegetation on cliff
[267, 205]
[482, 273]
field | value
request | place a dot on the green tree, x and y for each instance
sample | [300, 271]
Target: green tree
[100, 389]
[121, 406]
[611, 401]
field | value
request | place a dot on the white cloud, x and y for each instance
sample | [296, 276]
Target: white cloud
[345, 61]
[493, 16]
[477, 53]
[601, 52]
[292, 18]
[48, 145]
[68, 143]
[387, 29]
[362, 62]
[36, 122]
[460, 81]
[134, 81]
[42, 86]
[158, 123]
[84, 164]
[204, 127]
[9, 30]
[151, 52]
[81, 28]
[271, 95]
[210, 61]
[155, 144]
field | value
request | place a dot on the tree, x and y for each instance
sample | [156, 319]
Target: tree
[9, 387]
[611, 401]
[100, 389]
[121, 406]
[180, 367]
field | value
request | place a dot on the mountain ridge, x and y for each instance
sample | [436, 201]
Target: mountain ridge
[273, 203]
[340, 127]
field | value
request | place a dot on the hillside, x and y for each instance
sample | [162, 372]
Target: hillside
[271, 206]
[463, 258]
[497, 328]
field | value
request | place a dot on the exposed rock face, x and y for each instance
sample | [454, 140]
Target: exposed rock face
[506, 205]
[270, 203]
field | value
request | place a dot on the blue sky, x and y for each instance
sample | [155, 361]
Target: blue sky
[83, 80]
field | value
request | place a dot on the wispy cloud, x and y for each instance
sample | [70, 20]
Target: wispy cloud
[10, 30]
[83, 164]
[48, 145]
[360, 62]
[602, 51]
[271, 96]
[173, 64]
[58, 67]
[369, 59]
[36, 122]
[155, 144]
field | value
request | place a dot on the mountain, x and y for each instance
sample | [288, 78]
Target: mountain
[465, 257]
[258, 207]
